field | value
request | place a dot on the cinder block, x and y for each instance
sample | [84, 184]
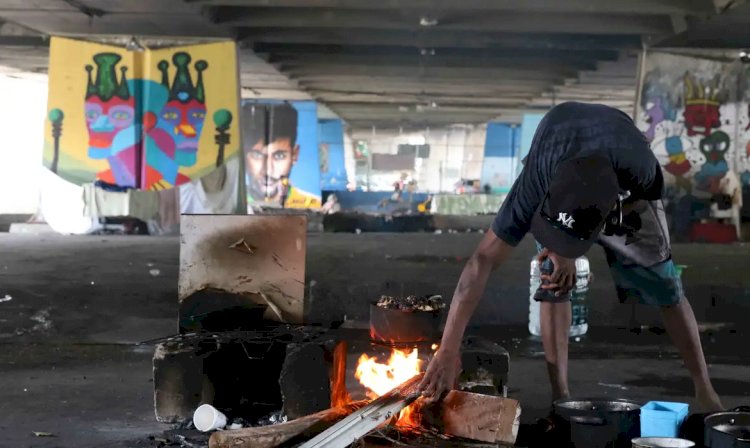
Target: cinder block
[485, 367]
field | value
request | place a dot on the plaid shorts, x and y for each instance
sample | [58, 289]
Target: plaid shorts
[641, 264]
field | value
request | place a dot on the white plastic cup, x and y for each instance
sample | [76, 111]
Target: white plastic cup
[208, 418]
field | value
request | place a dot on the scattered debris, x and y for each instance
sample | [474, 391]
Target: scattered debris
[7, 298]
[43, 434]
[150, 265]
[242, 246]
[154, 272]
[438, 232]
[43, 323]
[577, 339]
[411, 303]
[235, 426]
[613, 386]
[92, 283]
[272, 419]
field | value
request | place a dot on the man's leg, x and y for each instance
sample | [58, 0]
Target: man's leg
[682, 327]
[555, 319]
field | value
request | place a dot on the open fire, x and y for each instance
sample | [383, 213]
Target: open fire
[379, 378]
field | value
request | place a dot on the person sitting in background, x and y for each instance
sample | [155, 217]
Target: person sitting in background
[332, 205]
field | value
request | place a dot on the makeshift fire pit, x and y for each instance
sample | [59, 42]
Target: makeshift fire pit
[245, 348]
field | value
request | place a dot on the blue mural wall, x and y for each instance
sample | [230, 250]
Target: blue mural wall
[331, 154]
[500, 156]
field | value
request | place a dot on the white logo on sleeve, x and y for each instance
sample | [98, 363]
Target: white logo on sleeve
[565, 220]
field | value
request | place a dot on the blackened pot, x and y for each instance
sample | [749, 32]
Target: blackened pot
[600, 422]
[728, 429]
[403, 327]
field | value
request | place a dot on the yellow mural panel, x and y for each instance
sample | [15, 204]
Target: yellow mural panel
[152, 119]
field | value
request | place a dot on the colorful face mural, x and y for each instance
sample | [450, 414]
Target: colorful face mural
[109, 109]
[148, 131]
[699, 112]
[185, 111]
[701, 106]
[281, 154]
[714, 147]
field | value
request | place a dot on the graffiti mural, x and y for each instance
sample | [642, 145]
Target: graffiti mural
[693, 113]
[152, 120]
[280, 146]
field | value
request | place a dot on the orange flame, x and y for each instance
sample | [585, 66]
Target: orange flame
[379, 378]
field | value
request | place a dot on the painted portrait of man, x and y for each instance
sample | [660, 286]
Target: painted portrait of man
[271, 150]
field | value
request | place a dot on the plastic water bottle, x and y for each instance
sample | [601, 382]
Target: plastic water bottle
[579, 324]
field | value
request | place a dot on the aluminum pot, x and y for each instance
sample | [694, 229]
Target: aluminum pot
[403, 327]
[728, 429]
[661, 442]
[600, 422]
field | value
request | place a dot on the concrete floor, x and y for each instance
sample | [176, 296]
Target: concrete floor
[69, 364]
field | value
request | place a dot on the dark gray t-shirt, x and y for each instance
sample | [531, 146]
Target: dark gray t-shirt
[571, 130]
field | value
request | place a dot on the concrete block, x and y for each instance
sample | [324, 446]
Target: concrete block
[485, 367]
[178, 383]
[305, 379]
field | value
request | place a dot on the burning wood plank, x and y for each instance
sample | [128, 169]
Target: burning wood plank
[275, 435]
[367, 419]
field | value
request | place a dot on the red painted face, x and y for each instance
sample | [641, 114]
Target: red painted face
[104, 119]
[701, 118]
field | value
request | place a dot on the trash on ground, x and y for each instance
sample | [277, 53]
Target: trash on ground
[43, 434]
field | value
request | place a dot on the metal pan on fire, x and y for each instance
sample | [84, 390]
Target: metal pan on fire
[409, 320]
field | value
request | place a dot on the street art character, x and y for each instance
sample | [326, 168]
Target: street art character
[702, 103]
[110, 117]
[678, 164]
[185, 111]
[654, 116]
[714, 148]
[172, 122]
[269, 163]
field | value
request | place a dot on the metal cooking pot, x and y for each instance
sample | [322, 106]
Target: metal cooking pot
[600, 422]
[661, 442]
[403, 327]
[728, 429]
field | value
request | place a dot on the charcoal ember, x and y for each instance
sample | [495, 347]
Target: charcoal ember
[412, 303]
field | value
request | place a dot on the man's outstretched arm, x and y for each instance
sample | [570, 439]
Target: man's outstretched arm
[443, 369]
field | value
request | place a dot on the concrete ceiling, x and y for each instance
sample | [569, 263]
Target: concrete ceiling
[400, 63]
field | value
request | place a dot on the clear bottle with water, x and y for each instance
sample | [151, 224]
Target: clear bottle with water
[579, 325]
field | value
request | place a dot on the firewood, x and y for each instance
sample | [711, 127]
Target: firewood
[369, 418]
[275, 435]
[485, 418]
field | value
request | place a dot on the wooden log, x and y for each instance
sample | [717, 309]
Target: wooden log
[275, 435]
[485, 418]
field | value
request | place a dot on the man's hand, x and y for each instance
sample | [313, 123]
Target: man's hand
[441, 375]
[563, 277]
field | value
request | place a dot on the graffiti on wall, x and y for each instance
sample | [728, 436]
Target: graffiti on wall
[696, 119]
[280, 146]
[140, 119]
